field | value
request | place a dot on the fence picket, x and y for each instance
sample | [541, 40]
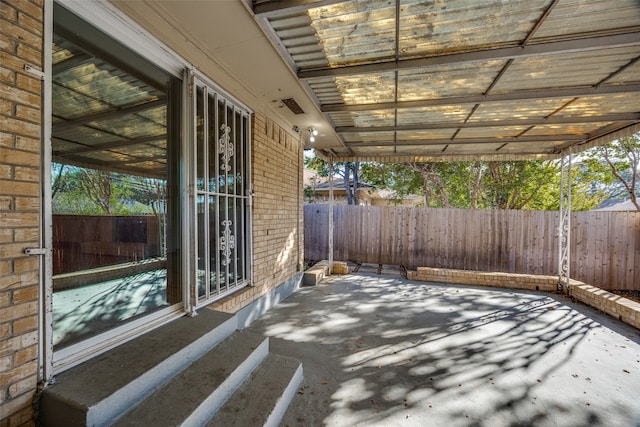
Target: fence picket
[605, 246]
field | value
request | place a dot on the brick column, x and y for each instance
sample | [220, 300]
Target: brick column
[21, 43]
[277, 206]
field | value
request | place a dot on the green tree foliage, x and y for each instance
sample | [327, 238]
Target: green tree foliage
[81, 191]
[482, 185]
[606, 172]
[348, 171]
[615, 166]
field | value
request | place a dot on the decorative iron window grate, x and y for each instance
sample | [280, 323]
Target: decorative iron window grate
[222, 177]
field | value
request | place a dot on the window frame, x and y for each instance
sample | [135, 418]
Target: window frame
[199, 82]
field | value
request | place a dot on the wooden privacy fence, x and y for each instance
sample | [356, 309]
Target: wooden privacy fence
[605, 246]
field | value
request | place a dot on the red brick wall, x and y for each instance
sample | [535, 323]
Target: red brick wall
[278, 220]
[21, 42]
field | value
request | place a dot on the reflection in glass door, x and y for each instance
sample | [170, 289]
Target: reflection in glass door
[222, 200]
[114, 180]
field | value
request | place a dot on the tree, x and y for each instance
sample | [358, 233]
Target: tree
[83, 191]
[618, 163]
[348, 171]
[517, 184]
[513, 184]
[481, 185]
[97, 186]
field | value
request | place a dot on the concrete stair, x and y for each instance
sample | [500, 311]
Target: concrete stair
[268, 392]
[182, 373]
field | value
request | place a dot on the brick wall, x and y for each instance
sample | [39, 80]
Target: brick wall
[21, 42]
[278, 243]
[614, 305]
[485, 278]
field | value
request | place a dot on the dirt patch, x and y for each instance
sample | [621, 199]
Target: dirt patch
[632, 295]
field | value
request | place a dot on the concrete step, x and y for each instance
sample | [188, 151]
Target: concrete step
[264, 397]
[194, 395]
[98, 391]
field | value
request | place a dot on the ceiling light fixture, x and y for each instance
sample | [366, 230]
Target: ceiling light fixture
[313, 132]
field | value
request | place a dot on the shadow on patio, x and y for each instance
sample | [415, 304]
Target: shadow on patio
[382, 350]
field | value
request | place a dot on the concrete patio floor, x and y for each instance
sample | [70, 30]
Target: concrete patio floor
[382, 350]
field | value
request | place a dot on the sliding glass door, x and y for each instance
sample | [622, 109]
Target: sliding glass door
[149, 184]
[114, 183]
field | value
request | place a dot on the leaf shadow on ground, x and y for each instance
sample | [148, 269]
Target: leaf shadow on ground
[386, 351]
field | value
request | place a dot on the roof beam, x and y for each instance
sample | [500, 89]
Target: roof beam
[475, 141]
[539, 121]
[602, 132]
[540, 49]
[619, 70]
[568, 92]
[267, 9]
[411, 156]
[110, 145]
[539, 22]
[109, 114]
[67, 64]
[98, 164]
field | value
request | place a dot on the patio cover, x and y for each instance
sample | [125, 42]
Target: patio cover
[416, 80]
[382, 80]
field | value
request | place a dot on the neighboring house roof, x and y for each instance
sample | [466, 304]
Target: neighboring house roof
[620, 206]
[368, 193]
[339, 183]
[312, 178]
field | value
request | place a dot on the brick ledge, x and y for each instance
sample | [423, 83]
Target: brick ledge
[614, 305]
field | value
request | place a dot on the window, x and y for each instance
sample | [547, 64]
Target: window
[222, 180]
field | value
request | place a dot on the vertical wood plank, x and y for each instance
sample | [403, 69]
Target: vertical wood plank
[605, 246]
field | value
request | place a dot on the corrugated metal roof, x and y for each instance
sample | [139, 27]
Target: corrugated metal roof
[398, 79]
[104, 116]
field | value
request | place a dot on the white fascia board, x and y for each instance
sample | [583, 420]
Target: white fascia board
[115, 23]
[119, 26]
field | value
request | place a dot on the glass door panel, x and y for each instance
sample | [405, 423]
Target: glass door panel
[114, 183]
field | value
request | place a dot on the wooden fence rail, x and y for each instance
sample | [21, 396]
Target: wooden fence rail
[605, 246]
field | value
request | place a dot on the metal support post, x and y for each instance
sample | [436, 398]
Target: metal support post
[564, 228]
[330, 249]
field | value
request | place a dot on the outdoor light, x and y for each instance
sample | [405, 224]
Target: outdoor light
[313, 132]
